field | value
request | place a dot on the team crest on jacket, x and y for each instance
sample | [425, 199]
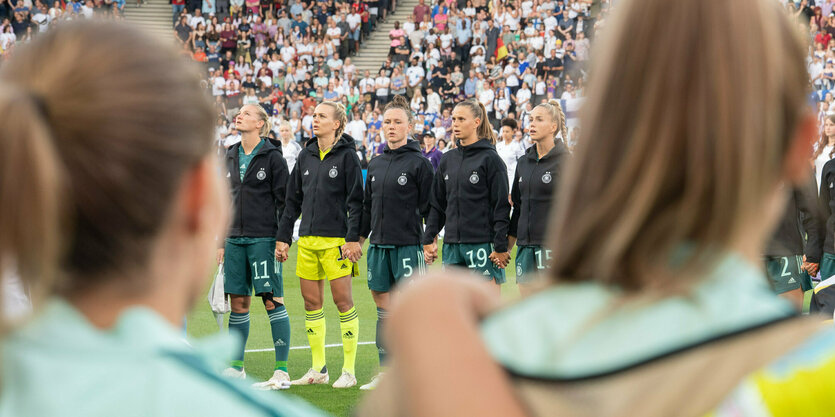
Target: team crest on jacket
[519, 271]
[474, 178]
[402, 180]
[333, 172]
[261, 175]
[546, 178]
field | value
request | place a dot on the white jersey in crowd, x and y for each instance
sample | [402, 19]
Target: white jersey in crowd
[291, 151]
[231, 140]
[510, 152]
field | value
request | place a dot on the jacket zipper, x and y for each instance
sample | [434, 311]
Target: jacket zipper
[530, 205]
[460, 196]
[382, 200]
[241, 194]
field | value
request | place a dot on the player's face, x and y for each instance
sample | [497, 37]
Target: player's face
[464, 123]
[324, 121]
[248, 120]
[395, 125]
[542, 127]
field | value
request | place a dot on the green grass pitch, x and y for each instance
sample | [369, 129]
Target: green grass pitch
[260, 356]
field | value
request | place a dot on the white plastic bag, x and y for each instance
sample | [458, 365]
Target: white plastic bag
[217, 297]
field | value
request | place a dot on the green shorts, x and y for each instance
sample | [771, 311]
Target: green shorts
[786, 273]
[475, 256]
[388, 264]
[252, 266]
[529, 261]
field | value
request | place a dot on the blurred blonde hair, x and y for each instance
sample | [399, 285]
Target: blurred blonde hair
[690, 110]
[100, 122]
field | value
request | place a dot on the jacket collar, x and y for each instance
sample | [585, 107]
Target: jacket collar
[410, 146]
[558, 150]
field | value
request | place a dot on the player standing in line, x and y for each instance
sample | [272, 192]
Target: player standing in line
[257, 174]
[532, 189]
[784, 255]
[826, 199]
[469, 197]
[326, 186]
[397, 191]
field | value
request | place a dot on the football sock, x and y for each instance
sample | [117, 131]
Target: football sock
[239, 324]
[381, 349]
[349, 323]
[280, 326]
[314, 325]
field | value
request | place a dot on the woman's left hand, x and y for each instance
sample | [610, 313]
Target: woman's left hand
[352, 251]
[500, 259]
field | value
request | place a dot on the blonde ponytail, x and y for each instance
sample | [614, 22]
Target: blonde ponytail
[555, 110]
[90, 167]
[262, 114]
[484, 130]
[30, 192]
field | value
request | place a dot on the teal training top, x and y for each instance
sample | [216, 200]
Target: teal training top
[579, 330]
[61, 365]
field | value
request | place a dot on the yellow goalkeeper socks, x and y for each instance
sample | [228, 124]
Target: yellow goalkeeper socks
[349, 323]
[314, 325]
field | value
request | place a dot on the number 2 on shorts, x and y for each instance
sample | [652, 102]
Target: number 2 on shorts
[785, 262]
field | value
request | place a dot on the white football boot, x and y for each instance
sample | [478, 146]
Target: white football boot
[373, 384]
[312, 378]
[346, 380]
[279, 380]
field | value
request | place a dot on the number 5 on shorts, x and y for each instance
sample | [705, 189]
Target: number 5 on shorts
[407, 267]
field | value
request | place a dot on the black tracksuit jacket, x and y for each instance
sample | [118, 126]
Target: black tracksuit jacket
[469, 197]
[827, 205]
[327, 193]
[801, 217]
[258, 200]
[397, 189]
[533, 186]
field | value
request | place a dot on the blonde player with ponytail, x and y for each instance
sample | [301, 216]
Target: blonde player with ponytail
[469, 198]
[257, 174]
[532, 190]
[326, 185]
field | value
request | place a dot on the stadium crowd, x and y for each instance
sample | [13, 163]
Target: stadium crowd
[289, 57]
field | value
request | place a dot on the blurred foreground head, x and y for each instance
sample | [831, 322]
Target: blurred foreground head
[104, 131]
[696, 112]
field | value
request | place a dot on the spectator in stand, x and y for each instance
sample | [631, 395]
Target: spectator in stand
[420, 11]
[430, 151]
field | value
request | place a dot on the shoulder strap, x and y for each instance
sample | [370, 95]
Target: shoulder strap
[689, 381]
